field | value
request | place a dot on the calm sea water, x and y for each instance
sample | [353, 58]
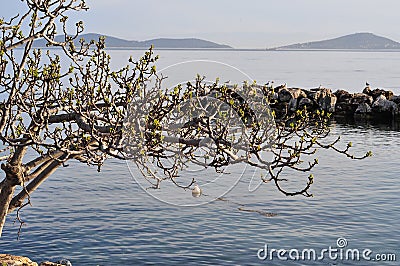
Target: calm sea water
[107, 218]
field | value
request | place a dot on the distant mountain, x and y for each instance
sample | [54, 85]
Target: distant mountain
[112, 42]
[352, 41]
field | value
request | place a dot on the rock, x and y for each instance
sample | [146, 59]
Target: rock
[363, 108]
[380, 98]
[62, 262]
[297, 93]
[353, 98]
[314, 96]
[11, 260]
[327, 100]
[280, 109]
[328, 103]
[396, 99]
[376, 102]
[284, 95]
[293, 104]
[348, 103]
[48, 263]
[280, 87]
[343, 96]
[315, 89]
[389, 95]
[304, 102]
[377, 92]
[358, 98]
[381, 105]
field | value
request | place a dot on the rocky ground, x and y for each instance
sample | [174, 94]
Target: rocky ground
[11, 260]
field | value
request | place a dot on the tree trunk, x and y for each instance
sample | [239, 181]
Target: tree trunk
[18, 200]
[12, 180]
[6, 196]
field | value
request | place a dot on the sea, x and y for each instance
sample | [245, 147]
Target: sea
[113, 218]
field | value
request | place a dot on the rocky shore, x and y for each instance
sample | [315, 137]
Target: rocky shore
[370, 103]
[11, 260]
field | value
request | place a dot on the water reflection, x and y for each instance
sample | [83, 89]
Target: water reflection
[380, 123]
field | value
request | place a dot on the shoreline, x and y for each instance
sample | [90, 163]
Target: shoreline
[7, 259]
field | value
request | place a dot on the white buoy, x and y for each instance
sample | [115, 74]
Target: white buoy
[196, 191]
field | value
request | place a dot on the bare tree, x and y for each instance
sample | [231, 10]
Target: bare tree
[50, 114]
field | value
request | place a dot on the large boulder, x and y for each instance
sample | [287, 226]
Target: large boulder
[11, 260]
[280, 109]
[297, 93]
[363, 108]
[314, 95]
[305, 102]
[358, 98]
[293, 104]
[382, 105]
[345, 109]
[343, 96]
[284, 95]
[396, 99]
[287, 94]
[327, 100]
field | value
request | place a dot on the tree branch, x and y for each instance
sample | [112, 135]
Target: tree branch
[18, 200]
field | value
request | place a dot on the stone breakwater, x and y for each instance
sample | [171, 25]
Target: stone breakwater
[370, 103]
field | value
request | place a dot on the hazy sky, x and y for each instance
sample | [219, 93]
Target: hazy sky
[241, 24]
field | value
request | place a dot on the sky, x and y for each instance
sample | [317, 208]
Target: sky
[241, 24]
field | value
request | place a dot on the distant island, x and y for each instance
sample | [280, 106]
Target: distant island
[353, 41]
[356, 41]
[163, 43]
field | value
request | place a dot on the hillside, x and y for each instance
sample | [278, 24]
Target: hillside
[352, 41]
[112, 42]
